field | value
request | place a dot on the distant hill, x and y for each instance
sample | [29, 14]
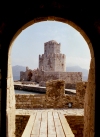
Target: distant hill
[16, 71]
[84, 78]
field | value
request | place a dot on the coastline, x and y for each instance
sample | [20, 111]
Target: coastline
[30, 86]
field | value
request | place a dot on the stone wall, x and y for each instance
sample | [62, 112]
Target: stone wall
[10, 104]
[39, 75]
[71, 78]
[52, 59]
[89, 105]
[20, 122]
[54, 97]
[51, 47]
[68, 77]
[40, 101]
[76, 124]
[22, 75]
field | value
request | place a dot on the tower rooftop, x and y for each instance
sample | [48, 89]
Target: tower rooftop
[52, 41]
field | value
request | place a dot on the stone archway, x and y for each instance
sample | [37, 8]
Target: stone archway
[90, 91]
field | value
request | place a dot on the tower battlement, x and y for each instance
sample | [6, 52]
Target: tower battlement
[51, 47]
[52, 59]
[51, 42]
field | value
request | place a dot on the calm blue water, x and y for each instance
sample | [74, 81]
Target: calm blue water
[25, 92]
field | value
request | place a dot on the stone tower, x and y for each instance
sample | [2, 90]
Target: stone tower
[52, 59]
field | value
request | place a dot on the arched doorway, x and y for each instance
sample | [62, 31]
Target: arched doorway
[90, 92]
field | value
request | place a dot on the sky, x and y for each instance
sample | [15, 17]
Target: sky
[29, 44]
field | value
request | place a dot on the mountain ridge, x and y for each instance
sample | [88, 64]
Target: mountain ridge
[77, 69]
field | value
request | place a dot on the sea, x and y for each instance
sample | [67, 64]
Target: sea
[26, 92]
[22, 91]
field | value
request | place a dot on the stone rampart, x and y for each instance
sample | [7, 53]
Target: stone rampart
[54, 98]
[70, 78]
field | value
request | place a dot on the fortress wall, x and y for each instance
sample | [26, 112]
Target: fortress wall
[49, 62]
[48, 48]
[49, 100]
[50, 76]
[22, 75]
[60, 62]
[51, 47]
[41, 60]
[53, 62]
[30, 101]
[69, 77]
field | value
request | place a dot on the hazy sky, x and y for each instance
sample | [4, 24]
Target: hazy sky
[30, 43]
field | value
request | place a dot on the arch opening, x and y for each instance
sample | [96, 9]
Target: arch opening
[91, 76]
